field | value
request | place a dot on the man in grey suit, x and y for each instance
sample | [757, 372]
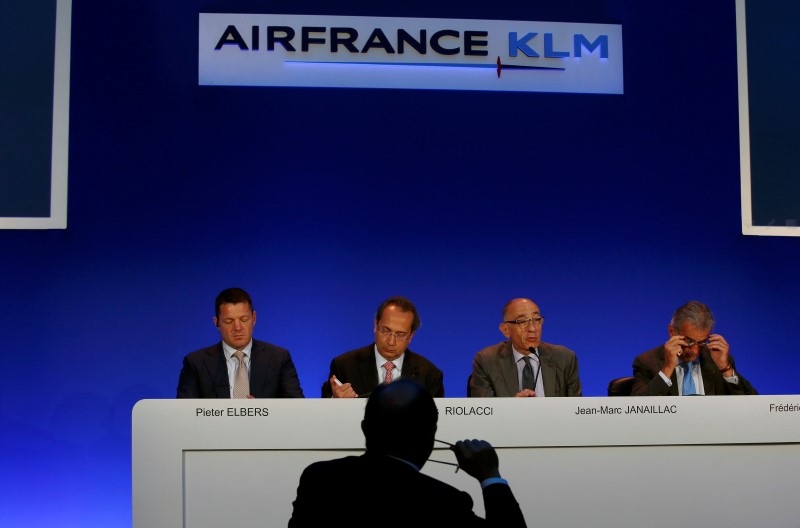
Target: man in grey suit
[524, 366]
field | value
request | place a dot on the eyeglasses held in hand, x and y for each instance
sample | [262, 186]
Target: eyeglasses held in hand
[691, 342]
[440, 461]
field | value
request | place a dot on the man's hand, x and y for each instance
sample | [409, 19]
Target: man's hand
[341, 390]
[525, 393]
[719, 350]
[672, 353]
[478, 458]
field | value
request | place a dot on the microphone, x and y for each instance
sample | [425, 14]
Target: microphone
[534, 352]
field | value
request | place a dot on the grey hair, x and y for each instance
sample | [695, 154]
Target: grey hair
[695, 313]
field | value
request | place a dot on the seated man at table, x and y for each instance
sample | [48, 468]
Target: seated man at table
[238, 366]
[384, 486]
[524, 366]
[356, 373]
[692, 362]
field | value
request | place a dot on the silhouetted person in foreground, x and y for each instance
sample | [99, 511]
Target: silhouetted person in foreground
[385, 488]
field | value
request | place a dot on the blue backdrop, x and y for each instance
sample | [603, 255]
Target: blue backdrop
[608, 210]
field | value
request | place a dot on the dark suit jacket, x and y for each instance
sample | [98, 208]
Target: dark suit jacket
[494, 371]
[371, 491]
[357, 367]
[272, 373]
[647, 382]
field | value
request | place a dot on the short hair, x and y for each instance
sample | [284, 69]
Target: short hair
[232, 296]
[404, 304]
[506, 305]
[695, 313]
[400, 419]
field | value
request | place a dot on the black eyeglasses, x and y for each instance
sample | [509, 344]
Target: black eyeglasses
[524, 323]
[691, 342]
[440, 461]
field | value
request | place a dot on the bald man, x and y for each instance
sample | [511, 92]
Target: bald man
[523, 365]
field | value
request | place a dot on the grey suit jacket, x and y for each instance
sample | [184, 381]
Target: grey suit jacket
[647, 381]
[494, 372]
[272, 373]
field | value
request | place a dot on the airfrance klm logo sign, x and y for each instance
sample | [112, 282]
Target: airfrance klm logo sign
[413, 53]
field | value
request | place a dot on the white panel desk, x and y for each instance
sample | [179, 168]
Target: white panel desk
[570, 461]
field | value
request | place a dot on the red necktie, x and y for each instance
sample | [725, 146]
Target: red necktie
[388, 366]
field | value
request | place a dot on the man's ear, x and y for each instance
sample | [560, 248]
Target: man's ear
[216, 322]
[504, 329]
[671, 330]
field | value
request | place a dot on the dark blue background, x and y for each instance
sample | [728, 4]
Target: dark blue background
[608, 210]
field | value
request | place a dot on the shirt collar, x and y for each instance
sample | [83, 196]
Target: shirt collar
[380, 360]
[519, 355]
[229, 351]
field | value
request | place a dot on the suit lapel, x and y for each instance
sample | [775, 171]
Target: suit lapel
[706, 370]
[548, 371]
[508, 370]
[367, 373]
[258, 369]
[410, 369]
[218, 371]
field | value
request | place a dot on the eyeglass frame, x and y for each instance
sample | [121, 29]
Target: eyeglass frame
[386, 333]
[525, 323]
[442, 461]
[691, 342]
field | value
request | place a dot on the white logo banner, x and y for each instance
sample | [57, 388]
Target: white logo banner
[412, 53]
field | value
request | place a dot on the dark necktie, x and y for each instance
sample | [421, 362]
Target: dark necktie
[528, 382]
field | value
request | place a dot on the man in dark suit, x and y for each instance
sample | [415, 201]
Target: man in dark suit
[693, 361]
[358, 372]
[384, 486]
[238, 366]
[524, 366]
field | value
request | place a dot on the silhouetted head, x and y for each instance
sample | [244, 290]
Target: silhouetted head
[400, 420]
